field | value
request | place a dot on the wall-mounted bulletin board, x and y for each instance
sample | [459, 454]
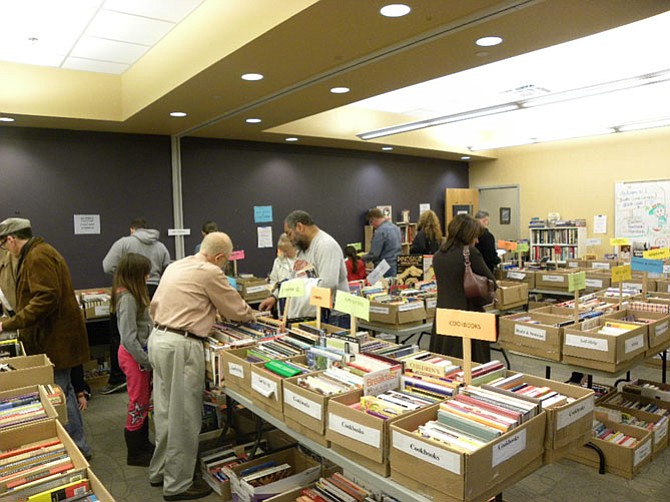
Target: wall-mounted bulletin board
[641, 211]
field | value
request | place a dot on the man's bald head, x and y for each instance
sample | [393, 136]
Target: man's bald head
[216, 243]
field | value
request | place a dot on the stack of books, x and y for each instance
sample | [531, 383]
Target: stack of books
[213, 462]
[327, 384]
[335, 488]
[392, 403]
[265, 473]
[21, 410]
[429, 375]
[10, 347]
[604, 433]
[548, 398]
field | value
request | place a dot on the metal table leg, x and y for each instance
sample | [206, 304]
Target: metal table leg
[601, 468]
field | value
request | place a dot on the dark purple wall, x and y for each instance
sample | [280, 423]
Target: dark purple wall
[51, 175]
[224, 180]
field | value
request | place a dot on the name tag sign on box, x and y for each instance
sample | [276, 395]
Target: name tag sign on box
[292, 288]
[321, 297]
[621, 273]
[593, 242]
[645, 265]
[577, 281]
[475, 325]
[355, 306]
[507, 245]
[619, 241]
[657, 254]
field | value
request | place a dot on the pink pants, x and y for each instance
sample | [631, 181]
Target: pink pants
[139, 390]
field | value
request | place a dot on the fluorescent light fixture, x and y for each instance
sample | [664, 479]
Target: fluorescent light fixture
[291, 139]
[604, 88]
[253, 121]
[252, 76]
[178, 114]
[488, 41]
[649, 124]
[340, 90]
[446, 119]
[494, 146]
[544, 139]
[387, 148]
[6, 119]
[395, 10]
[465, 157]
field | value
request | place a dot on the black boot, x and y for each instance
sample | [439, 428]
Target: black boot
[136, 454]
[146, 444]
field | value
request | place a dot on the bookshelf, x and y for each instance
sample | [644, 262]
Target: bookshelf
[557, 244]
[407, 234]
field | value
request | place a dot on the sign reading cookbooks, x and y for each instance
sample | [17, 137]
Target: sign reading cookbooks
[466, 325]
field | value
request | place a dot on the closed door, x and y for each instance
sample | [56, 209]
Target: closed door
[502, 204]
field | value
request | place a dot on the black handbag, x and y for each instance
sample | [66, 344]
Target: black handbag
[480, 290]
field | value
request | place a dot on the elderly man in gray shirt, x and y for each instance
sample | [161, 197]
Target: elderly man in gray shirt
[386, 242]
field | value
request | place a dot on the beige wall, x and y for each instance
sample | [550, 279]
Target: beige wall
[576, 178]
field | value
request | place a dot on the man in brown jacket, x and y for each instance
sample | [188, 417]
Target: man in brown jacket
[47, 315]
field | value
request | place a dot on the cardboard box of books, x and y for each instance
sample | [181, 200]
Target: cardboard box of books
[398, 313]
[594, 264]
[552, 280]
[94, 302]
[267, 391]
[536, 334]
[26, 370]
[604, 344]
[662, 286]
[656, 325]
[253, 288]
[236, 370]
[656, 423]
[431, 302]
[646, 388]
[98, 488]
[442, 471]
[361, 437]
[11, 347]
[511, 294]
[55, 461]
[272, 474]
[622, 460]
[597, 280]
[569, 408]
[521, 275]
[24, 405]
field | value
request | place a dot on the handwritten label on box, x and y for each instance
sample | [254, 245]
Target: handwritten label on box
[508, 447]
[236, 370]
[530, 332]
[354, 430]
[553, 278]
[519, 276]
[594, 283]
[573, 413]
[264, 386]
[633, 344]
[601, 265]
[353, 305]
[642, 452]
[440, 457]
[586, 342]
[301, 403]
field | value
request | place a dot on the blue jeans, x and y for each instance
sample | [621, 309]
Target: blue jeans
[75, 422]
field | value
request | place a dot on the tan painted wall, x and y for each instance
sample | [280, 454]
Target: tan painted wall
[576, 178]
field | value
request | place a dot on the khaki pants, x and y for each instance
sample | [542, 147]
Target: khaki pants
[179, 380]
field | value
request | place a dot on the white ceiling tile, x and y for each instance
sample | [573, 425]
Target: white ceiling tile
[33, 58]
[94, 66]
[128, 28]
[167, 10]
[108, 50]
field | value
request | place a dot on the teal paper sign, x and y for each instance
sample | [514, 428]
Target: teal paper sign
[646, 265]
[262, 214]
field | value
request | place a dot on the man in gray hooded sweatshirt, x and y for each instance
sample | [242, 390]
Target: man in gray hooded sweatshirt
[144, 241]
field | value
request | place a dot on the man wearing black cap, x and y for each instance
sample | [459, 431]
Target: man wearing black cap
[47, 315]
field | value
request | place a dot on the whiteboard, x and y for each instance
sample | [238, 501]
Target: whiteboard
[641, 211]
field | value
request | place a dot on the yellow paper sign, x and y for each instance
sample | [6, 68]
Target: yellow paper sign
[321, 297]
[508, 245]
[476, 325]
[577, 281]
[657, 254]
[355, 306]
[619, 241]
[622, 273]
[292, 288]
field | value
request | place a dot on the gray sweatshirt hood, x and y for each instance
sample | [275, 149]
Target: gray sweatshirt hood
[146, 235]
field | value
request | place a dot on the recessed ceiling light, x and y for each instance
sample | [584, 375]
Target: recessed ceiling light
[465, 157]
[340, 90]
[253, 121]
[395, 10]
[387, 148]
[488, 41]
[252, 76]
[6, 119]
[178, 114]
[291, 139]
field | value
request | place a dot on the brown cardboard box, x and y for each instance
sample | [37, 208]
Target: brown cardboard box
[600, 351]
[29, 370]
[440, 473]
[94, 302]
[361, 437]
[619, 460]
[98, 488]
[538, 335]
[522, 275]
[267, 390]
[597, 279]
[396, 314]
[236, 370]
[49, 409]
[306, 470]
[620, 415]
[662, 286]
[511, 294]
[253, 288]
[431, 302]
[552, 280]
[44, 430]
